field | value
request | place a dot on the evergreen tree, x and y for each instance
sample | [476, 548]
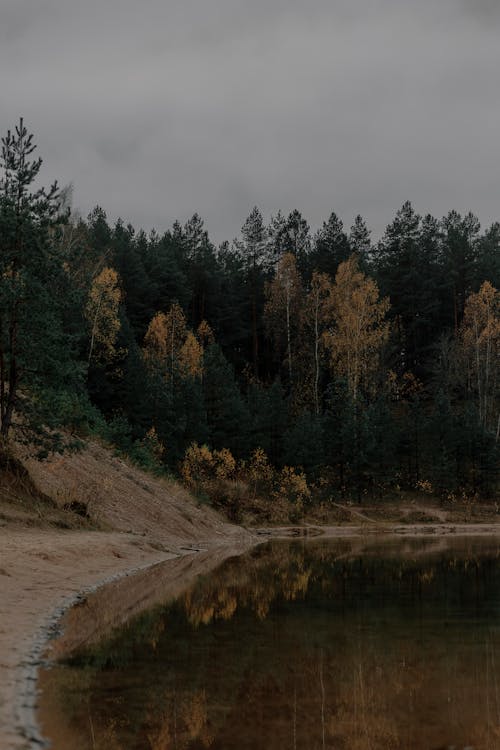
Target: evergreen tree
[36, 354]
[256, 261]
[297, 237]
[407, 270]
[277, 236]
[488, 257]
[227, 415]
[128, 252]
[304, 444]
[269, 419]
[167, 279]
[460, 252]
[443, 441]
[99, 233]
[232, 312]
[201, 269]
[331, 247]
[340, 432]
[381, 445]
[360, 242]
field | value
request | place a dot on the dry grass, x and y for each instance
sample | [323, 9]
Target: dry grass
[110, 493]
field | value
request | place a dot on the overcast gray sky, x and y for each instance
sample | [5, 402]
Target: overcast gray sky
[156, 109]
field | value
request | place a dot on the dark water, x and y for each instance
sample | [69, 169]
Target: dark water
[309, 646]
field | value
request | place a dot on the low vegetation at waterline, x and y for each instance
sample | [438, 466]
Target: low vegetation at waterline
[286, 365]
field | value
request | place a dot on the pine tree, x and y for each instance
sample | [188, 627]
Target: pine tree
[35, 353]
[227, 415]
[331, 247]
[256, 260]
[201, 269]
[360, 242]
[269, 419]
[277, 236]
[298, 240]
[407, 267]
[460, 252]
[129, 252]
[488, 257]
[304, 444]
[163, 265]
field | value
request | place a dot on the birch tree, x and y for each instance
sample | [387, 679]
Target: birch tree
[359, 330]
[281, 311]
[165, 337]
[315, 320]
[480, 337]
[102, 314]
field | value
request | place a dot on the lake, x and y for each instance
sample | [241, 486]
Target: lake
[302, 645]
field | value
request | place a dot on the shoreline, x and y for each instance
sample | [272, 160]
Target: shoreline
[44, 573]
[27, 696]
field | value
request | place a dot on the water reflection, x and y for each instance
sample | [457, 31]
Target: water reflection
[317, 645]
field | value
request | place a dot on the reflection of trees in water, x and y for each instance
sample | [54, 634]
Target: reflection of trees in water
[377, 662]
[286, 572]
[282, 573]
[183, 721]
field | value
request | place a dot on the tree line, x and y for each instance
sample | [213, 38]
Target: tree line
[363, 366]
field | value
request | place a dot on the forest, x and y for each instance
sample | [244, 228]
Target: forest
[300, 365]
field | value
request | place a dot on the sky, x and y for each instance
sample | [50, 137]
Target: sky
[158, 109]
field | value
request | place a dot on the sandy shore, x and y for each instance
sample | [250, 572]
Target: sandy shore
[41, 572]
[38, 571]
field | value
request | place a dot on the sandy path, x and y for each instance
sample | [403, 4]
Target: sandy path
[38, 571]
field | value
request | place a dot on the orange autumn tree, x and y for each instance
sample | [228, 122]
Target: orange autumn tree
[169, 344]
[101, 312]
[360, 328]
[164, 339]
[204, 334]
[155, 340]
[191, 357]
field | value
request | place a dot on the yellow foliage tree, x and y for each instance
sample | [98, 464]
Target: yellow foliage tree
[197, 465]
[480, 338]
[101, 311]
[191, 357]
[204, 334]
[165, 338]
[359, 330]
[293, 486]
[224, 463]
[201, 466]
[260, 472]
[155, 340]
[152, 442]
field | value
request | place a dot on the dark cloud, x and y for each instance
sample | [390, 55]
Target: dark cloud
[162, 108]
[484, 9]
